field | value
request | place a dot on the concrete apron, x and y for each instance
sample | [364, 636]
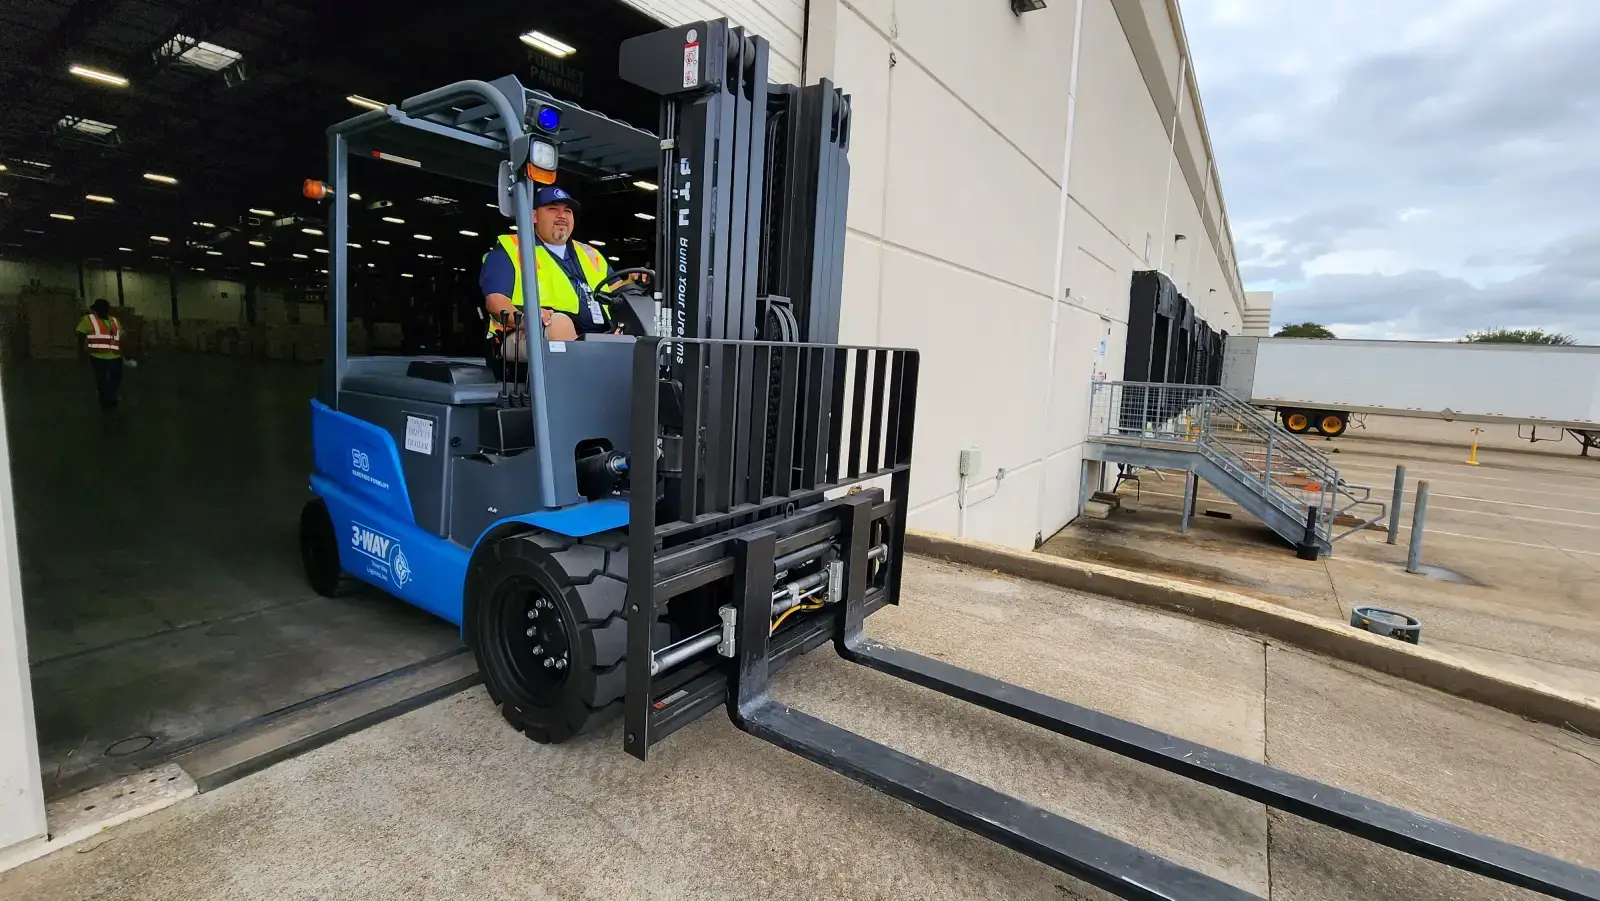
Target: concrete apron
[1524, 697]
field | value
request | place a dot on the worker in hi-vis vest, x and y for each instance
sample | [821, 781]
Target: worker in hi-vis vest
[568, 273]
[102, 336]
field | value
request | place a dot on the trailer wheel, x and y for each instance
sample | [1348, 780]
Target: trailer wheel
[549, 632]
[1332, 424]
[1297, 421]
[319, 550]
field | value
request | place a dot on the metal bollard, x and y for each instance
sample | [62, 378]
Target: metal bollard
[1310, 547]
[1418, 519]
[1399, 500]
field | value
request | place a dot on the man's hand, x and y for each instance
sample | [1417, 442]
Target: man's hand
[544, 316]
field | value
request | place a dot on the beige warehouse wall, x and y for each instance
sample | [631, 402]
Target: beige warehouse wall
[22, 816]
[961, 118]
[976, 236]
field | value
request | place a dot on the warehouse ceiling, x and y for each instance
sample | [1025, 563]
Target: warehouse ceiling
[142, 120]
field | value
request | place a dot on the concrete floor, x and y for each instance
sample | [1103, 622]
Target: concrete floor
[448, 802]
[161, 575]
[1514, 546]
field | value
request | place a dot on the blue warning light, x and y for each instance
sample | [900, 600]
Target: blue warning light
[549, 118]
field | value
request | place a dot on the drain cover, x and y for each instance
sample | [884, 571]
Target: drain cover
[1387, 623]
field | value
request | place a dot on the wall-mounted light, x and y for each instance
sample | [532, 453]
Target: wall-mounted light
[1018, 7]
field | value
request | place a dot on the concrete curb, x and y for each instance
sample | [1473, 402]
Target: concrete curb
[1422, 665]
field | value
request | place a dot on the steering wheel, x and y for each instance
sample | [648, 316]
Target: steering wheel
[620, 277]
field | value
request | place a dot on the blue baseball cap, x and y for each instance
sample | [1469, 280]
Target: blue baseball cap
[553, 194]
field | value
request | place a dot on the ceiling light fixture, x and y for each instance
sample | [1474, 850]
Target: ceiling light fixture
[260, 212]
[301, 256]
[68, 217]
[160, 239]
[91, 127]
[258, 244]
[213, 253]
[206, 224]
[353, 246]
[645, 216]
[99, 198]
[648, 186]
[98, 75]
[423, 237]
[538, 40]
[312, 231]
[126, 249]
[597, 243]
[365, 102]
[204, 54]
[437, 199]
[257, 263]
[394, 220]
[614, 259]
[406, 275]
[384, 242]
[320, 249]
[164, 179]
[472, 234]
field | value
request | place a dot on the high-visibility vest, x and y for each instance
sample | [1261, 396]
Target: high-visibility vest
[555, 287]
[105, 335]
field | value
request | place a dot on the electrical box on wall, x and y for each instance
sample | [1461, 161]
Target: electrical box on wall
[971, 461]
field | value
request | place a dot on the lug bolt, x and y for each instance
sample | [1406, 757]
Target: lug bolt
[530, 635]
[536, 648]
[532, 613]
[548, 663]
[561, 664]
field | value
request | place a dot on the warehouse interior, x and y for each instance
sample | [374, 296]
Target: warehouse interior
[151, 154]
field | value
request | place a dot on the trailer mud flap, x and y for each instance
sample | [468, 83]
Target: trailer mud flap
[1121, 869]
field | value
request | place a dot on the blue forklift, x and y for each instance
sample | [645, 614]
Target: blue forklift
[644, 525]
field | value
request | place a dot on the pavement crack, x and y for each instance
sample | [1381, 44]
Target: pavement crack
[1266, 758]
[1334, 587]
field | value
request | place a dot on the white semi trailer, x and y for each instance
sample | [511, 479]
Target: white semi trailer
[1316, 385]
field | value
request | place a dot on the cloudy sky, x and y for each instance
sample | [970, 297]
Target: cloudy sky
[1410, 168]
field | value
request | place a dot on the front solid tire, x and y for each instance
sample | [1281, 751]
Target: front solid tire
[570, 595]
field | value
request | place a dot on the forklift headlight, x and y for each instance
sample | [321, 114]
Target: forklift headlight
[542, 155]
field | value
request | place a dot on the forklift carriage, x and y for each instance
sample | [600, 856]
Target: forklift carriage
[645, 525]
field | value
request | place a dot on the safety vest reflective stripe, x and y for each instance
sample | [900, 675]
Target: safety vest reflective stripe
[104, 336]
[555, 288]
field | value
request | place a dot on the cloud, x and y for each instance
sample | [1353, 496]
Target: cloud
[1408, 165]
[1561, 292]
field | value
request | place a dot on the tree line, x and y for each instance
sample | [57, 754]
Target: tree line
[1483, 336]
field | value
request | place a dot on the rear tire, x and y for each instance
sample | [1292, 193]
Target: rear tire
[1331, 424]
[319, 550]
[1297, 421]
[569, 675]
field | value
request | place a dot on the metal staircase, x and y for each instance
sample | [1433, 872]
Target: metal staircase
[1273, 474]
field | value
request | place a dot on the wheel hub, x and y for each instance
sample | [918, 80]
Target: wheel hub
[538, 647]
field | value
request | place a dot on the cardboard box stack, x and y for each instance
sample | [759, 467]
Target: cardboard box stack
[52, 316]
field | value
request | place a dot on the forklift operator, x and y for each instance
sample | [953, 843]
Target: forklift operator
[568, 273]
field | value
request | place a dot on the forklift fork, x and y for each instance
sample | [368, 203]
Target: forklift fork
[1115, 866]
